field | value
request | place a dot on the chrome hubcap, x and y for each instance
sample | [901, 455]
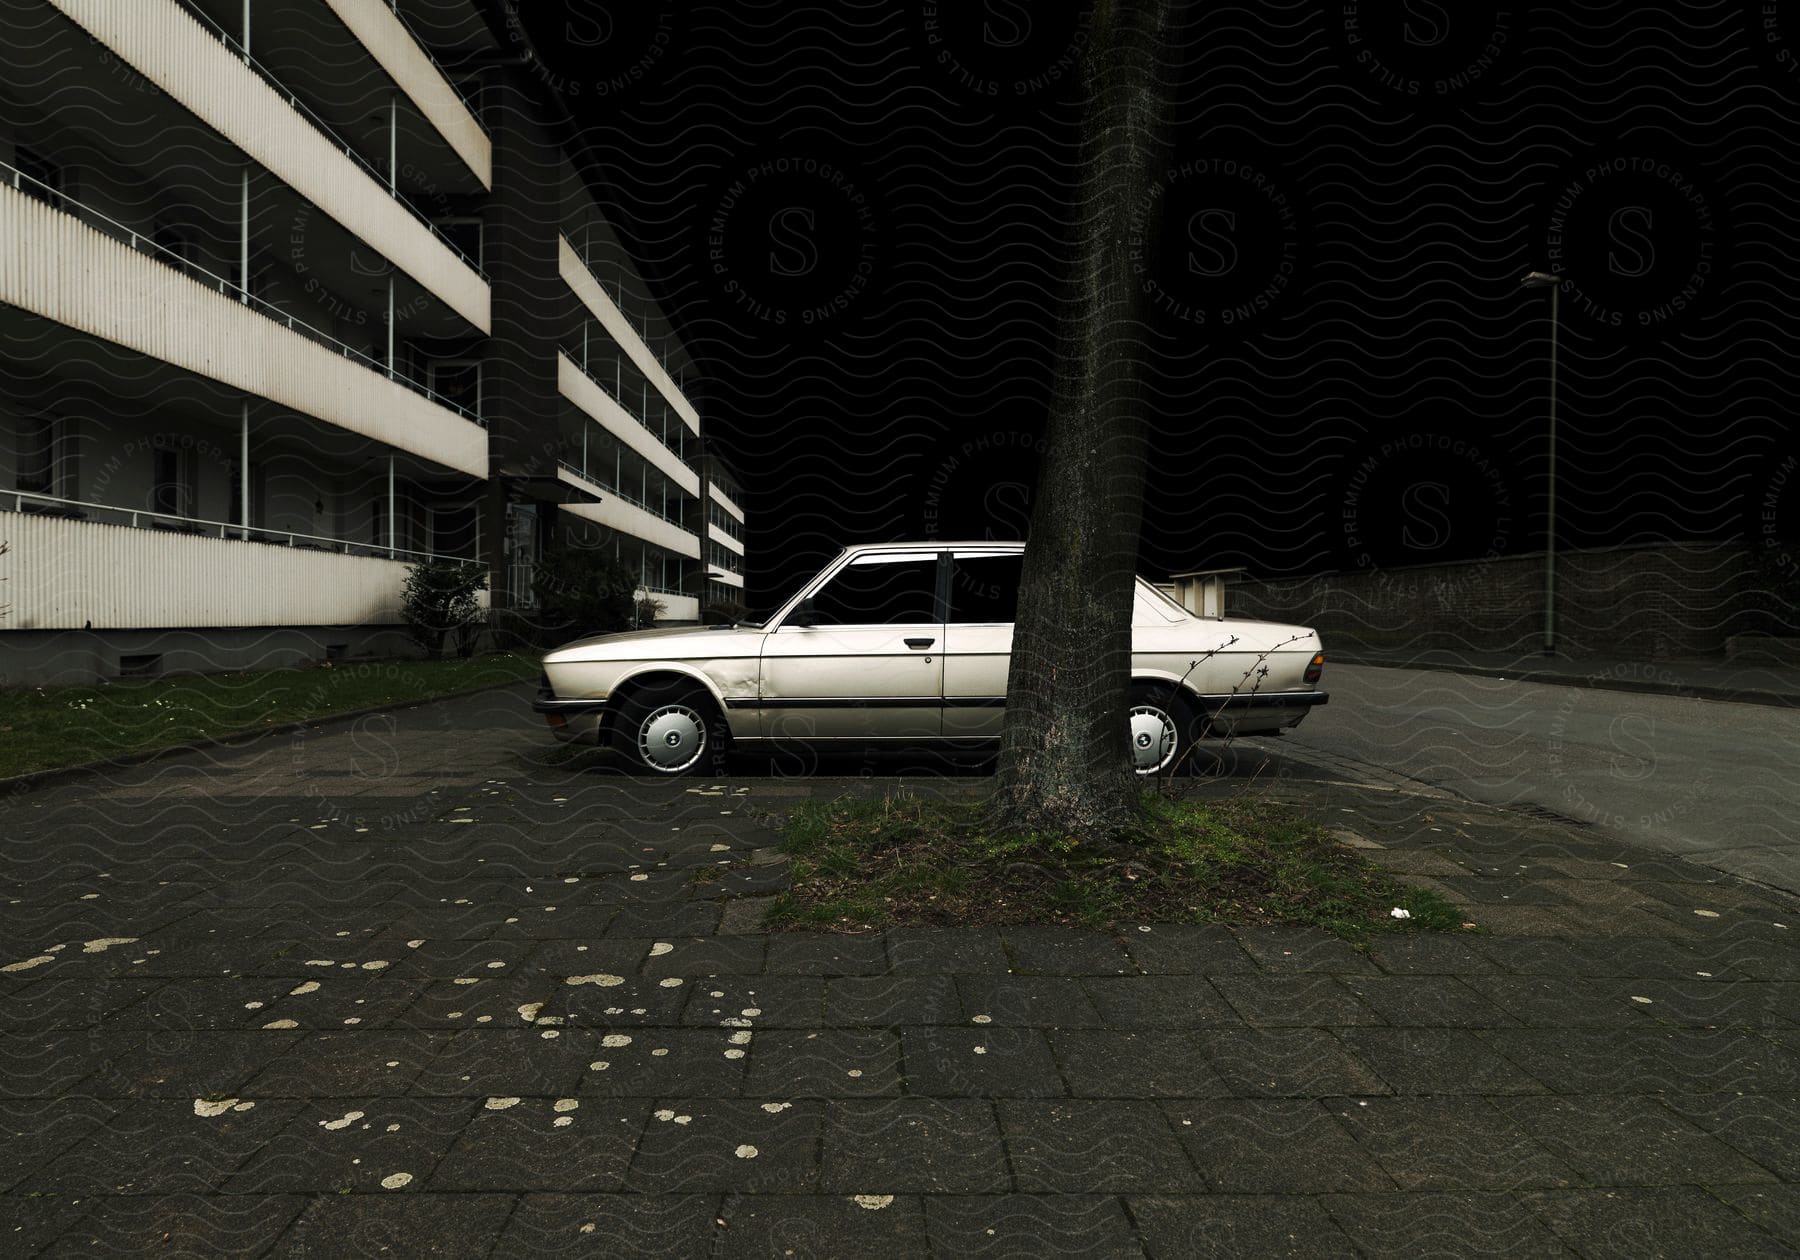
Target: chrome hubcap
[672, 738]
[1152, 739]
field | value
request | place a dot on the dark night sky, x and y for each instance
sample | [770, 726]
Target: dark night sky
[857, 215]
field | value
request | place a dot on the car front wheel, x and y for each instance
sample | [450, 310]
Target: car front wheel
[670, 731]
[1160, 728]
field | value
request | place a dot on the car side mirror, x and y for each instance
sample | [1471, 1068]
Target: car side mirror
[804, 614]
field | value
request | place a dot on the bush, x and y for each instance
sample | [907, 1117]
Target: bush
[649, 608]
[723, 612]
[584, 592]
[439, 598]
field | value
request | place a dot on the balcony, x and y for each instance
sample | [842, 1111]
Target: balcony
[384, 33]
[724, 500]
[615, 511]
[201, 69]
[85, 565]
[588, 290]
[109, 282]
[598, 404]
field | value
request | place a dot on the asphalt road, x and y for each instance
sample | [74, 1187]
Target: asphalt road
[1715, 782]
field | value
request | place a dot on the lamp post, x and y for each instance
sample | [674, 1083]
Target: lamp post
[1545, 280]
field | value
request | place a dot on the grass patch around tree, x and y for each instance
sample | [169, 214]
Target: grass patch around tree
[48, 728]
[904, 861]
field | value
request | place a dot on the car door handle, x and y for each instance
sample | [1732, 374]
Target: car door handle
[920, 643]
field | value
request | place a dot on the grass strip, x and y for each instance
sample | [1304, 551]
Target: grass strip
[49, 728]
[904, 861]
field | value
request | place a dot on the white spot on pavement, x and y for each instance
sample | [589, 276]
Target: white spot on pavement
[202, 1107]
[565, 1104]
[349, 1118]
[310, 986]
[1646, 1001]
[375, 964]
[747, 1152]
[529, 1011]
[320, 962]
[981, 1019]
[734, 1054]
[601, 979]
[741, 1038]
[673, 982]
[415, 944]
[501, 1104]
[105, 943]
[776, 1109]
[29, 963]
[397, 1181]
[1707, 914]
[660, 948]
[562, 1122]
[873, 1202]
[613, 1041]
[281, 1023]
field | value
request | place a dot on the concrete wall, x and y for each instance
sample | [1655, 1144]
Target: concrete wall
[1642, 603]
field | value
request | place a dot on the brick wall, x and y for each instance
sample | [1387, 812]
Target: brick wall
[1642, 603]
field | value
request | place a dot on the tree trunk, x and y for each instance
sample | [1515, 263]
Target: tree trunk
[1064, 759]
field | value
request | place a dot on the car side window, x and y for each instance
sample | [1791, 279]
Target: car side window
[880, 590]
[985, 589]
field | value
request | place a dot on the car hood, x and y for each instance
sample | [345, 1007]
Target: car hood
[659, 641]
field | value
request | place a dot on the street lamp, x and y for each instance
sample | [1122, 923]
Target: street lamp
[1545, 280]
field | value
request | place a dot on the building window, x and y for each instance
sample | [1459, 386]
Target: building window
[457, 381]
[465, 234]
[172, 480]
[49, 459]
[37, 176]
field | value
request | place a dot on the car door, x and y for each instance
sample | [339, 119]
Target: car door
[983, 600]
[870, 666]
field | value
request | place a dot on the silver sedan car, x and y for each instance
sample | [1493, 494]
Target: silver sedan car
[906, 646]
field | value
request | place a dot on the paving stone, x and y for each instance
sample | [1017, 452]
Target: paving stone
[709, 956]
[1711, 1002]
[29, 1224]
[199, 1224]
[1236, 1225]
[1151, 1064]
[628, 1226]
[947, 951]
[73, 1004]
[1535, 956]
[350, 1063]
[446, 1006]
[913, 1146]
[1078, 1145]
[1287, 1062]
[562, 1145]
[481, 1062]
[823, 1063]
[558, 960]
[1001, 1227]
[1766, 1127]
[1564, 1002]
[1026, 1001]
[1272, 1146]
[1160, 1001]
[777, 1002]
[1449, 1144]
[1437, 1061]
[691, 918]
[556, 922]
[889, 1001]
[871, 1226]
[1289, 949]
[1065, 952]
[1200, 949]
[1303, 1001]
[1666, 1221]
[162, 1147]
[33, 1132]
[1443, 1223]
[1615, 1141]
[729, 1145]
[827, 954]
[1426, 1002]
[1774, 1209]
[981, 1063]
[663, 1062]
[1650, 1061]
[175, 1064]
[637, 1002]
[327, 1148]
[403, 1222]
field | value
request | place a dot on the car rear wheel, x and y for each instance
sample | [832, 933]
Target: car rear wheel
[671, 731]
[1160, 727]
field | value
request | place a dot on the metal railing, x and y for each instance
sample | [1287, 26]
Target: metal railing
[268, 76]
[575, 356]
[141, 243]
[606, 485]
[474, 111]
[140, 518]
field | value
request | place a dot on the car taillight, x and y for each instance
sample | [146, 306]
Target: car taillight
[1315, 669]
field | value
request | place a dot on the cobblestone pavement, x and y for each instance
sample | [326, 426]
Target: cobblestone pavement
[428, 985]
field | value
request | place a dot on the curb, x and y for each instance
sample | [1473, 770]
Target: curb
[1599, 682]
[21, 783]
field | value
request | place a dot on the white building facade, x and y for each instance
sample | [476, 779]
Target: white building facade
[295, 294]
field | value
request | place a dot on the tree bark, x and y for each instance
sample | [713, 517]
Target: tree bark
[1064, 758]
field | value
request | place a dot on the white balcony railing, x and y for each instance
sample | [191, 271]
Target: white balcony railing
[724, 500]
[383, 32]
[628, 518]
[54, 265]
[599, 405]
[588, 290]
[68, 574]
[198, 66]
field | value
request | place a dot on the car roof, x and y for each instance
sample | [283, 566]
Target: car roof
[940, 544]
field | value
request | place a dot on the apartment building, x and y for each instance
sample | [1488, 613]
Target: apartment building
[294, 294]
